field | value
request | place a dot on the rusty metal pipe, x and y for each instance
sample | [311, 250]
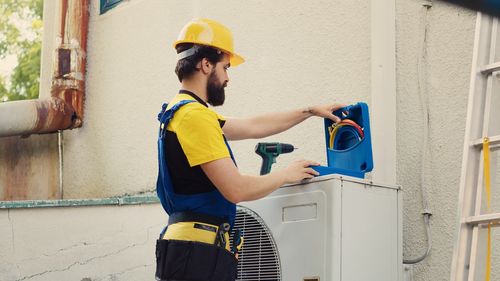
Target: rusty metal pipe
[34, 116]
[68, 82]
[64, 110]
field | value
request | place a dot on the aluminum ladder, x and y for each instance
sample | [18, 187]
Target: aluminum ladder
[470, 251]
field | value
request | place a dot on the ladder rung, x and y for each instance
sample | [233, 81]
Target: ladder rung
[482, 219]
[490, 68]
[494, 141]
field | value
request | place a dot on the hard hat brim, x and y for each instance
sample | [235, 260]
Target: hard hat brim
[236, 59]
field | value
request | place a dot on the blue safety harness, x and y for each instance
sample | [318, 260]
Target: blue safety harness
[209, 203]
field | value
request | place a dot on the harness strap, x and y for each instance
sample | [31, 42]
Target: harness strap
[195, 217]
[166, 115]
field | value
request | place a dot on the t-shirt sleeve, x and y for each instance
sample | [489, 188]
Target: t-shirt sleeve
[222, 119]
[201, 137]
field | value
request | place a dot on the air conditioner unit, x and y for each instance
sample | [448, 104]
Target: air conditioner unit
[332, 228]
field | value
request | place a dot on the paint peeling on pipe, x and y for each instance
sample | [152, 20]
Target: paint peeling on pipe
[35, 116]
[64, 110]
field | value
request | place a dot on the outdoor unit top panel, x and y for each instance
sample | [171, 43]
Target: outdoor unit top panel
[346, 179]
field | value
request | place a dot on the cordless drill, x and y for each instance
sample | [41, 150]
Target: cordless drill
[269, 151]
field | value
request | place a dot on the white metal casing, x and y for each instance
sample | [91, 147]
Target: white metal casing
[335, 228]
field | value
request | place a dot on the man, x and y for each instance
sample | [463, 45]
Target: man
[198, 181]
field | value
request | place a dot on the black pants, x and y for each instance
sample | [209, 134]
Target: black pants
[193, 261]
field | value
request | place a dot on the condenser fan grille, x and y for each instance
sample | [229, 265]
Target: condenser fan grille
[258, 259]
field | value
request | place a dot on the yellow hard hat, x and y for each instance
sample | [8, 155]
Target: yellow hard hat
[210, 33]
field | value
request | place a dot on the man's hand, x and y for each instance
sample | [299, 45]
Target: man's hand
[326, 111]
[299, 170]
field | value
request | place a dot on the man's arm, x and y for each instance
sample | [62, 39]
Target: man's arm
[237, 187]
[273, 123]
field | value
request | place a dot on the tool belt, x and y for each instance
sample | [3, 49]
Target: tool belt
[195, 247]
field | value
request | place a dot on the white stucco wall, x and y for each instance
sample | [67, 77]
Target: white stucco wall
[80, 243]
[297, 53]
[445, 57]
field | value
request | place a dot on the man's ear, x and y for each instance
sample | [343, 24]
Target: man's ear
[205, 66]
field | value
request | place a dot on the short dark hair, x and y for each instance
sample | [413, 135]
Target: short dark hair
[187, 66]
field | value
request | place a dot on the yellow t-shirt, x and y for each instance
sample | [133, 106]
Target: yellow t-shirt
[194, 136]
[199, 131]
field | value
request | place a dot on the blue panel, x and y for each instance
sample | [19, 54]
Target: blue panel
[351, 153]
[107, 5]
[491, 7]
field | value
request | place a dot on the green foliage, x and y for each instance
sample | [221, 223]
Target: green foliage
[21, 36]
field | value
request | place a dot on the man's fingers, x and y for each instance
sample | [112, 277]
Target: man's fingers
[336, 107]
[334, 118]
[308, 176]
[311, 171]
[307, 163]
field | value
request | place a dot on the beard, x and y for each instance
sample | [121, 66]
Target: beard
[215, 90]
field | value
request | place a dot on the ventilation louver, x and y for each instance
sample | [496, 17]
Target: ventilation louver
[258, 259]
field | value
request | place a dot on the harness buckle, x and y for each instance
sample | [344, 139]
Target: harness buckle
[220, 239]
